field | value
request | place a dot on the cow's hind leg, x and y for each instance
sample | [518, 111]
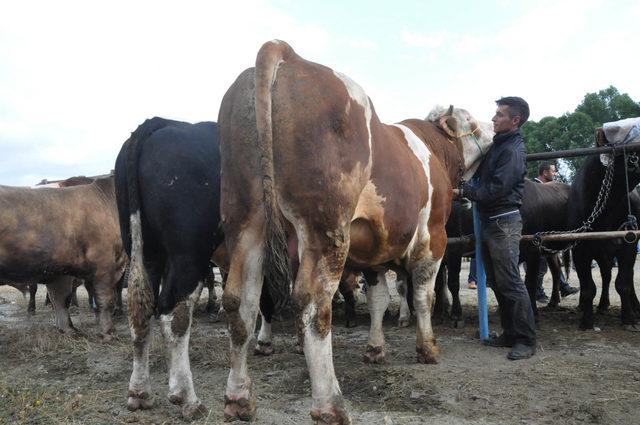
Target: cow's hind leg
[176, 328]
[423, 273]
[240, 300]
[140, 325]
[316, 282]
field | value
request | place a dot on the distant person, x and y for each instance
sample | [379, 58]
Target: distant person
[547, 173]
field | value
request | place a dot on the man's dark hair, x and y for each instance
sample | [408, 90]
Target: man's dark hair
[516, 106]
[545, 166]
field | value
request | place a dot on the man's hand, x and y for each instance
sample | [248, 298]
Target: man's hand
[456, 193]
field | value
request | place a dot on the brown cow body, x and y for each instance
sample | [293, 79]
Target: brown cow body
[51, 235]
[348, 189]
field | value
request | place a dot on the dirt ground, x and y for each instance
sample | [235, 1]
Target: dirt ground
[576, 377]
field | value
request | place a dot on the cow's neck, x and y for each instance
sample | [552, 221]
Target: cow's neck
[440, 146]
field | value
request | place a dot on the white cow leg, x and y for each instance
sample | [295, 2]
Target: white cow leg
[176, 328]
[377, 301]
[241, 300]
[313, 292]
[139, 395]
[424, 277]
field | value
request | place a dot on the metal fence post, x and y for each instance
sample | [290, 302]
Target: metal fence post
[481, 278]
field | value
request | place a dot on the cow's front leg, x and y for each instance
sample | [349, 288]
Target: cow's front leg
[240, 300]
[423, 274]
[404, 316]
[59, 290]
[264, 344]
[377, 301]
[176, 328]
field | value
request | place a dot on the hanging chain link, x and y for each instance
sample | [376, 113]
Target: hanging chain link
[598, 208]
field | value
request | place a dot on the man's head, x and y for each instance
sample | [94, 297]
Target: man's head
[512, 112]
[547, 172]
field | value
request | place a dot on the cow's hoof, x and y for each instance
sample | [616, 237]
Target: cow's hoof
[602, 310]
[139, 400]
[263, 349]
[404, 322]
[631, 327]
[175, 399]
[331, 415]
[243, 409]
[194, 411]
[118, 312]
[31, 311]
[298, 349]
[458, 323]
[374, 355]
[213, 317]
[427, 356]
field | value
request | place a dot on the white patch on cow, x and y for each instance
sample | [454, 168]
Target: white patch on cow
[423, 154]
[358, 95]
[319, 356]
[378, 301]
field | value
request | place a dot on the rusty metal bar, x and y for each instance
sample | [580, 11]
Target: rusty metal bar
[570, 153]
[563, 237]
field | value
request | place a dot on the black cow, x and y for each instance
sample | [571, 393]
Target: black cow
[168, 194]
[582, 200]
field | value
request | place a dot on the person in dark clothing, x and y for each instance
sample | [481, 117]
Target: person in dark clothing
[498, 195]
[547, 173]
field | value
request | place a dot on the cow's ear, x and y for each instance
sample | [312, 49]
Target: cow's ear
[450, 111]
[601, 139]
[449, 125]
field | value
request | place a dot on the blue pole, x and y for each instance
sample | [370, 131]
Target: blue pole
[481, 278]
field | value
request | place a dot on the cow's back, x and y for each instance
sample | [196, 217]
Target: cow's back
[45, 232]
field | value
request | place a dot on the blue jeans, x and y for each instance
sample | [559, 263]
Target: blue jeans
[500, 251]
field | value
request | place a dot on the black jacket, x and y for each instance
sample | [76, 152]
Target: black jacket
[501, 177]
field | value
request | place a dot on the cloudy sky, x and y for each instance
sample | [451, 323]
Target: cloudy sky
[76, 77]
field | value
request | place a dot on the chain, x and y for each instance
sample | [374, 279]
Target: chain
[598, 208]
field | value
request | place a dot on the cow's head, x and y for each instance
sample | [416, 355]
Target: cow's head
[472, 137]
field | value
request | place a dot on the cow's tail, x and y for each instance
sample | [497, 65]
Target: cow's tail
[140, 294]
[277, 271]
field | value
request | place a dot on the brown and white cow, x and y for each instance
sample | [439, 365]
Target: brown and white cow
[320, 170]
[51, 235]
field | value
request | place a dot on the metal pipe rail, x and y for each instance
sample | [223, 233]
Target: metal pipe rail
[570, 153]
[629, 235]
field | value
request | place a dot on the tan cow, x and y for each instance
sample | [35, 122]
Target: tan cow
[48, 235]
[319, 171]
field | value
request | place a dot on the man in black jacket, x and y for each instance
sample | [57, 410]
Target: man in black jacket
[498, 195]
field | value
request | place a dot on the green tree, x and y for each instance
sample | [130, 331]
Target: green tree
[608, 105]
[576, 130]
[550, 134]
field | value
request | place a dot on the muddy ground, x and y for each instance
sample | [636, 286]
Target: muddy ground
[576, 377]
